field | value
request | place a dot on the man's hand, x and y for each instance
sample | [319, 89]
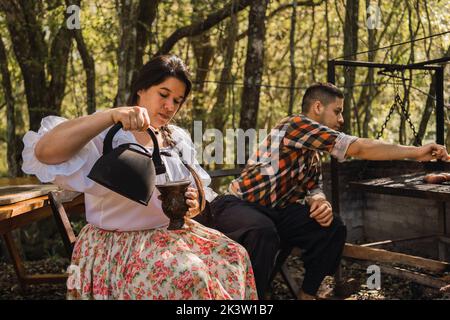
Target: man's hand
[321, 211]
[369, 149]
[431, 151]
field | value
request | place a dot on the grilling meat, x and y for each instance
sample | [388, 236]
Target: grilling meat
[436, 178]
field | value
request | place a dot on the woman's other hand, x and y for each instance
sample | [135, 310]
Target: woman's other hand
[192, 202]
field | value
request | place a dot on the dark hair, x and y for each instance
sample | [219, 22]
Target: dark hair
[156, 71]
[326, 93]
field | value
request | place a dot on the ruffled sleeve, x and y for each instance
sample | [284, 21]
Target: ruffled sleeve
[69, 175]
[185, 145]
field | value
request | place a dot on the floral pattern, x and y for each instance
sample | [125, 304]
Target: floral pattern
[193, 263]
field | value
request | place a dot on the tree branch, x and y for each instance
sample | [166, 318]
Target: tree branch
[197, 28]
[282, 8]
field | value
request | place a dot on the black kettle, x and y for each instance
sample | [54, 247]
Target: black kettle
[126, 170]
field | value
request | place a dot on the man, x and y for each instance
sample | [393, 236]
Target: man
[284, 203]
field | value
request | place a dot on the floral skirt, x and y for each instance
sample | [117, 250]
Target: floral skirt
[193, 263]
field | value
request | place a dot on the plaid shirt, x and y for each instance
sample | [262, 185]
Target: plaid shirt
[286, 168]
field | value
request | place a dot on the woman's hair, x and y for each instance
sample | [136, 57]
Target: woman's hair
[156, 71]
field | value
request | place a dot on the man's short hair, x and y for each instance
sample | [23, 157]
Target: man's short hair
[326, 93]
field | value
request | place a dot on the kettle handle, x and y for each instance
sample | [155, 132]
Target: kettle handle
[137, 145]
[156, 157]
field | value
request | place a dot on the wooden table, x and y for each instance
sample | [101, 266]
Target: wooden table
[21, 205]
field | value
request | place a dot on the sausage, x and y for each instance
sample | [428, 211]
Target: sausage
[436, 178]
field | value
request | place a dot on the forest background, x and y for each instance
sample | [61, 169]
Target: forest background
[250, 60]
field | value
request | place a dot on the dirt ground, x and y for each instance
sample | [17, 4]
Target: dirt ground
[10, 289]
[392, 288]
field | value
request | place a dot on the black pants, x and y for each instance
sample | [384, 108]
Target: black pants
[261, 230]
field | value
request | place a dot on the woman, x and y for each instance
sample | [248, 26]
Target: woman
[125, 251]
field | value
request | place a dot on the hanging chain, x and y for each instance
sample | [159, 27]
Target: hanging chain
[398, 102]
[380, 134]
[408, 119]
[402, 110]
[383, 127]
[391, 111]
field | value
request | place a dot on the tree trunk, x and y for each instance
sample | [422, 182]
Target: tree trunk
[430, 106]
[292, 58]
[203, 53]
[327, 27]
[253, 65]
[126, 52]
[219, 112]
[370, 79]
[350, 48]
[30, 50]
[32, 54]
[407, 88]
[312, 33]
[57, 67]
[12, 147]
[402, 128]
[146, 16]
[89, 68]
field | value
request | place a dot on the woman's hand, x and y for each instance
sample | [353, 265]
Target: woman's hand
[192, 202]
[132, 118]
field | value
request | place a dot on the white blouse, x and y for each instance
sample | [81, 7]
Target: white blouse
[104, 208]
